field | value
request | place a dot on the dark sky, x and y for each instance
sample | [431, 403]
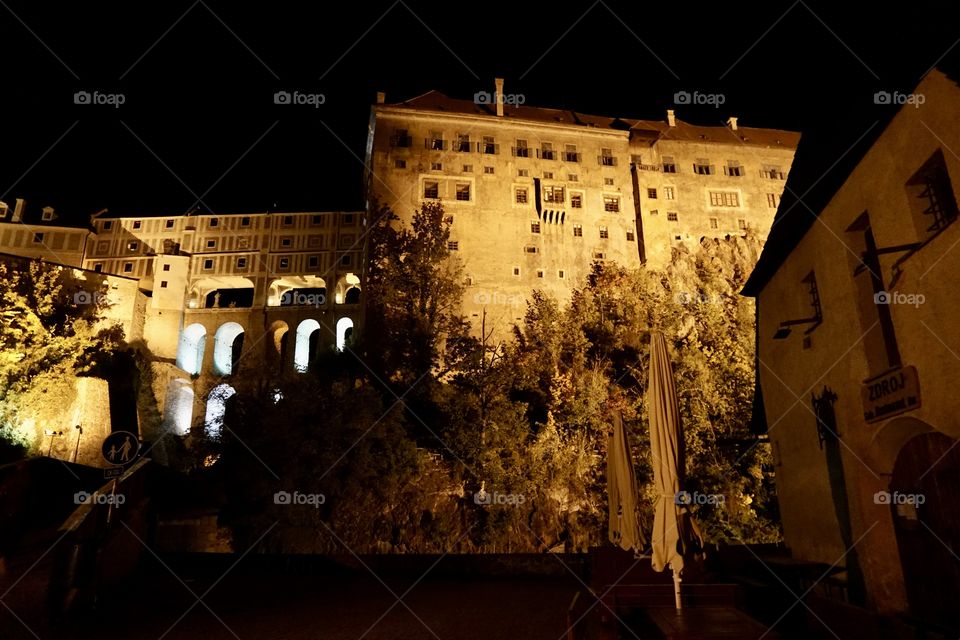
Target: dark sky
[199, 78]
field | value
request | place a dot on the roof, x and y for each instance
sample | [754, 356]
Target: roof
[652, 130]
[808, 190]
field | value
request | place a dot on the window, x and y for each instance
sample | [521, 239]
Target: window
[521, 150]
[169, 224]
[431, 189]
[608, 182]
[516, 271]
[654, 212]
[606, 158]
[107, 225]
[772, 171]
[211, 244]
[523, 173]
[570, 153]
[166, 267]
[400, 138]
[207, 264]
[548, 175]
[347, 219]
[572, 177]
[702, 167]
[163, 284]
[98, 268]
[652, 194]
[400, 163]
[611, 204]
[677, 237]
[671, 216]
[772, 200]
[630, 236]
[317, 221]
[553, 195]
[668, 193]
[576, 200]
[560, 274]
[436, 141]
[488, 170]
[448, 219]
[724, 199]
[733, 168]
[313, 262]
[539, 273]
[453, 245]
[546, 151]
[530, 249]
[931, 196]
[599, 255]
[521, 196]
[241, 263]
[714, 223]
[436, 166]
[133, 245]
[463, 142]
[535, 227]
[288, 221]
[128, 267]
[37, 238]
[669, 166]
[346, 260]
[468, 168]
[742, 223]
[214, 222]
[604, 234]
[137, 224]
[286, 242]
[577, 231]
[489, 145]
[284, 263]
[463, 191]
[243, 243]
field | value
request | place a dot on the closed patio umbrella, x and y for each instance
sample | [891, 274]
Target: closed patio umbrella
[674, 530]
[624, 526]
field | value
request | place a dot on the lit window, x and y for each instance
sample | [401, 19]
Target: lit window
[668, 193]
[611, 203]
[521, 196]
[535, 227]
[553, 195]
[604, 233]
[577, 231]
[576, 200]
[724, 199]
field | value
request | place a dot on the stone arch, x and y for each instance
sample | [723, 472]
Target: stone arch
[889, 439]
[193, 340]
[344, 332]
[297, 291]
[308, 335]
[348, 289]
[216, 409]
[178, 407]
[221, 292]
[227, 348]
[277, 346]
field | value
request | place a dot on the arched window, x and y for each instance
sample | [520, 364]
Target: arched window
[216, 409]
[193, 339]
[352, 296]
[344, 332]
[227, 347]
[307, 337]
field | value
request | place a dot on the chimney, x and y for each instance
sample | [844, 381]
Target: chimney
[498, 96]
[733, 123]
[18, 210]
[381, 97]
[671, 120]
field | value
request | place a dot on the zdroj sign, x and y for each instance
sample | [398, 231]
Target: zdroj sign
[893, 393]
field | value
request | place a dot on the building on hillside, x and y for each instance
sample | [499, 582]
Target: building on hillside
[858, 350]
[221, 294]
[536, 196]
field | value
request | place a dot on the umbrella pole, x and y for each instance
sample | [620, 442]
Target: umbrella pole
[676, 589]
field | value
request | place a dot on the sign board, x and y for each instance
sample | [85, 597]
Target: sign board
[120, 447]
[112, 472]
[891, 394]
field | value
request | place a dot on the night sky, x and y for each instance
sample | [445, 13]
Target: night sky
[198, 78]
